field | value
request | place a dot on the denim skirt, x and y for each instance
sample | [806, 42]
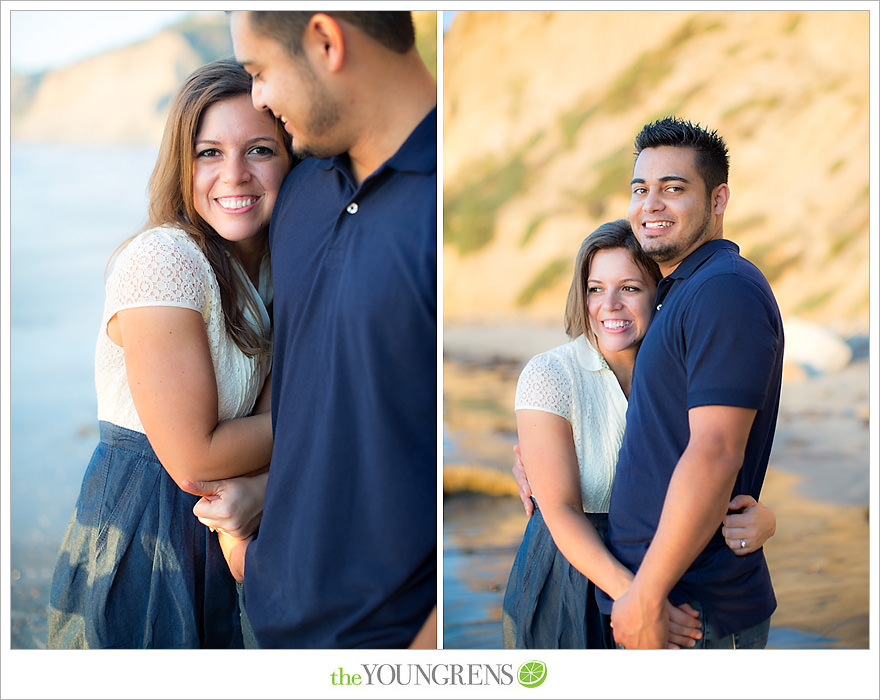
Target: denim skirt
[548, 603]
[136, 568]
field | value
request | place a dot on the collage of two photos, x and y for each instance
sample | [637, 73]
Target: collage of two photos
[264, 364]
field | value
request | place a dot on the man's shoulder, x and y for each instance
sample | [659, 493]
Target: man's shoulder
[725, 271]
[310, 168]
[310, 181]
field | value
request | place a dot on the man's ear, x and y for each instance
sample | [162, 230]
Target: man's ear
[323, 39]
[720, 198]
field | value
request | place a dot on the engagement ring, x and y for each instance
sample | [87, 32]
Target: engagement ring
[742, 544]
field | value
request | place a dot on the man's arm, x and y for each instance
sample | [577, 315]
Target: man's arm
[696, 503]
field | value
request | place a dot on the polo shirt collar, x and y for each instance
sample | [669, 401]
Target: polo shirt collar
[417, 154]
[588, 357]
[692, 262]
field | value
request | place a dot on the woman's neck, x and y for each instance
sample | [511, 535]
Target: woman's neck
[250, 254]
[621, 363]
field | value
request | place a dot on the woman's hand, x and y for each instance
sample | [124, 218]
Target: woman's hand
[233, 506]
[684, 626]
[748, 530]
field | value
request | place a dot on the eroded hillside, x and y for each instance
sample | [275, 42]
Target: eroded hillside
[541, 108]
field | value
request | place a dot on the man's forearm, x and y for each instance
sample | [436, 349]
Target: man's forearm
[698, 494]
[695, 505]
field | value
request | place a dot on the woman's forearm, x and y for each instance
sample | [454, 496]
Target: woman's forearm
[580, 543]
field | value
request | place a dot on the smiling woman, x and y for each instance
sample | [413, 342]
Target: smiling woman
[240, 162]
[181, 366]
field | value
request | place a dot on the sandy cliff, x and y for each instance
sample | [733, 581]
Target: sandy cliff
[541, 108]
[122, 95]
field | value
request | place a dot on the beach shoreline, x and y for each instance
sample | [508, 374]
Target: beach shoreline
[818, 484]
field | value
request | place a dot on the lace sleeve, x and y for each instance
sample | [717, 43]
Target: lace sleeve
[545, 385]
[159, 268]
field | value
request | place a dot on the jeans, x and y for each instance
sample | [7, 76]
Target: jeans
[751, 638]
[247, 632]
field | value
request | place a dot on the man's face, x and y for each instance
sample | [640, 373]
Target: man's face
[289, 87]
[670, 211]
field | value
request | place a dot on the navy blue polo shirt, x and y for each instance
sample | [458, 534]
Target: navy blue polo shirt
[715, 338]
[345, 556]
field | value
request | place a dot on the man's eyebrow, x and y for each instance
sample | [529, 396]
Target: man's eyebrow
[665, 178]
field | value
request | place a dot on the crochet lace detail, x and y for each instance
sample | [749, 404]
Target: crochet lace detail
[165, 267]
[159, 270]
[591, 401]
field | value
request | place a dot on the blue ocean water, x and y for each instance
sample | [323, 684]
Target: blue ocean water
[70, 206]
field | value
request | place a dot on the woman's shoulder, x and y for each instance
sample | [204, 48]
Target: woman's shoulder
[162, 252]
[161, 244]
[164, 236]
[559, 355]
[547, 382]
[550, 366]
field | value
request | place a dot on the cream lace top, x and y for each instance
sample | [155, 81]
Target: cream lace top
[574, 382]
[165, 267]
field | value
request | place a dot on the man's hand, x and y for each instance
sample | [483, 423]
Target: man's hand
[522, 482]
[640, 622]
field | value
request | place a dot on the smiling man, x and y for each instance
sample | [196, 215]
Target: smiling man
[345, 555]
[703, 407]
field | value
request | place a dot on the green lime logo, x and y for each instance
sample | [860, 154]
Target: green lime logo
[531, 674]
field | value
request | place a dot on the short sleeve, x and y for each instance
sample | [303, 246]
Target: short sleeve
[545, 385]
[159, 268]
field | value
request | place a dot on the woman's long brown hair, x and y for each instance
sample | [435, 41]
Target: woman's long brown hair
[171, 200]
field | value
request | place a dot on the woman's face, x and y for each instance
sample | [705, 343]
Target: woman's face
[238, 167]
[619, 300]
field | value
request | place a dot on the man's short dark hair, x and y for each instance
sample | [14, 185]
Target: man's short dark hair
[712, 161]
[393, 30]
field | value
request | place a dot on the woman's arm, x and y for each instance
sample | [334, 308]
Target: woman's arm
[547, 447]
[171, 377]
[752, 526]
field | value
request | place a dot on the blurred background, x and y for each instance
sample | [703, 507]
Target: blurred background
[540, 110]
[89, 95]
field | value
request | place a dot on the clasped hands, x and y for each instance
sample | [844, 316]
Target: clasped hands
[232, 508]
[672, 627]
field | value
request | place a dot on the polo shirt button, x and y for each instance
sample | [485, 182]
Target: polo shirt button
[659, 306]
[352, 208]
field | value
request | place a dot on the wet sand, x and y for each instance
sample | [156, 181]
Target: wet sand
[817, 484]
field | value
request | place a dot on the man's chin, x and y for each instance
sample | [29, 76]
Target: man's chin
[307, 151]
[659, 253]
